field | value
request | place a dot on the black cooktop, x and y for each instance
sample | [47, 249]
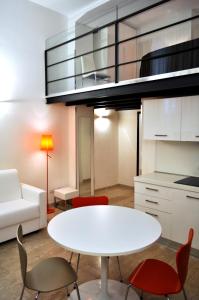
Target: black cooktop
[193, 181]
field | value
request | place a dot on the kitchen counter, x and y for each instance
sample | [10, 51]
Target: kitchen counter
[167, 180]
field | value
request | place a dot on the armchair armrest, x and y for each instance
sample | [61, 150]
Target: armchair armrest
[36, 195]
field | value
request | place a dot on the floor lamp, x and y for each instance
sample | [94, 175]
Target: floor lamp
[47, 145]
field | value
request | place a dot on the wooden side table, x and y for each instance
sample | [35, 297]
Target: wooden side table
[65, 194]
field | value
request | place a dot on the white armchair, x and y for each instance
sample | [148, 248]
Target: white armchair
[20, 204]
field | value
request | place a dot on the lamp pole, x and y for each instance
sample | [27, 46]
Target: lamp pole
[50, 210]
[47, 145]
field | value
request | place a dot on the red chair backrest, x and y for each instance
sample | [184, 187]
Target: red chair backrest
[182, 258]
[87, 201]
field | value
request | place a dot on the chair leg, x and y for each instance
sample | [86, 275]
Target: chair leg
[22, 292]
[77, 289]
[71, 256]
[127, 291]
[37, 295]
[78, 259]
[167, 297]
[118, 262]
[77, 267]
[184, 293]
[141, 295]
[67, 292]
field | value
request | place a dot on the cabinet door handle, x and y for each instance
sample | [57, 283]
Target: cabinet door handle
[161, 135]
[192, 197]
[197, 136]
[153, 215]
[150, 201]
[151, 189]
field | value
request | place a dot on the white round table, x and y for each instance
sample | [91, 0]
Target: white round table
[104, 230]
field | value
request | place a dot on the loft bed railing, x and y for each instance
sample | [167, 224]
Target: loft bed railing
[115, 67]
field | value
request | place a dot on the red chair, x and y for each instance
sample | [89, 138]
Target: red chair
[88, 201]
[159, 278]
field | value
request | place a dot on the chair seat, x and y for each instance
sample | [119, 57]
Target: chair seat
[50, 274]
[155, 277]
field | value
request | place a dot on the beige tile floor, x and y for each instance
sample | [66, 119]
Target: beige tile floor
[39, 246]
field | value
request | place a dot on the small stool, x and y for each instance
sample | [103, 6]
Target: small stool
[65, 194]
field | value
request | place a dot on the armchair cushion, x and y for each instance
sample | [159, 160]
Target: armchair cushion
[9, 185]
[18, 211]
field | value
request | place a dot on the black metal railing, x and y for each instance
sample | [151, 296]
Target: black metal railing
[117, 42]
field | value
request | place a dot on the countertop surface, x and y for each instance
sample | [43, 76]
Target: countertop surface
[167, 180]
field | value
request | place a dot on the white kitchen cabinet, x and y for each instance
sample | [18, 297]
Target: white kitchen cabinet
[156, 201]
[190, 119]
[162, 119]
[175, 206]
[162, 217]
[186, 215]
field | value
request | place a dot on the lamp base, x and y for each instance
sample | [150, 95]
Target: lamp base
[50, 210]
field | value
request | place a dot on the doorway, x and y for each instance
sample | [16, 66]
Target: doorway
[109, 149]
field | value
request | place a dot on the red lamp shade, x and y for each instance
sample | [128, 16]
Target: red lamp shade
[46, 142]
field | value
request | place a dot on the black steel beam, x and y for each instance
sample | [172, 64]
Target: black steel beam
[127, 108]
[93, 101]
[111, 106]
[174, 87]
[115, 102]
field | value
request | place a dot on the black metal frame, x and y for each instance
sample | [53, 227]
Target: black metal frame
[125, 91]
[138, 144]
[116, 45]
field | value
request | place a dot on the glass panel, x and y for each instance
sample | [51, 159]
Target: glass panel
[127, 51]
[139, 48]
[195, 27]
[162, 15]
[104, 37]
[61, 70]
[86, 63]
[164, 38]
[61, 53]
[96, 78]
[61, 85]
[101, 38]
[133, 6]
[84, 44]
[84, 150]
[129, 71]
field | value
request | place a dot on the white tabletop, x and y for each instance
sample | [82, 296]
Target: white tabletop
[104, 230]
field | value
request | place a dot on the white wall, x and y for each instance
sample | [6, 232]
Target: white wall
[106, 150]
[178, 157]
[24, 116]
[115, 147]
[127, 146]
[84, 148]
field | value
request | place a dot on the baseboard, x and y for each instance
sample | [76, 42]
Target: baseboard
[115, 185]
[175, 246]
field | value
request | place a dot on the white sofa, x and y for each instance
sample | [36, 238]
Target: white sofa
[20, 204]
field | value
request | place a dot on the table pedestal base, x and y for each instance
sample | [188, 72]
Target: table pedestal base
[91, 290]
